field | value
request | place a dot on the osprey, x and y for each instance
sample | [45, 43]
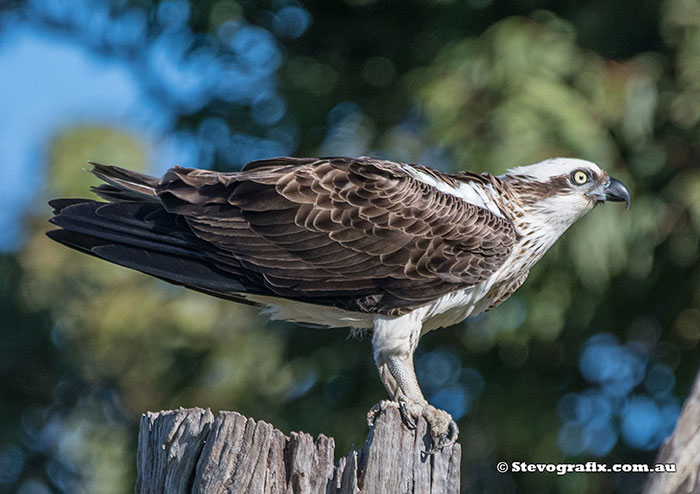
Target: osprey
[391, 248]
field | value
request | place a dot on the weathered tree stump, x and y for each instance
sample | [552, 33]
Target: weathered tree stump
[683, 449]
[191, 451]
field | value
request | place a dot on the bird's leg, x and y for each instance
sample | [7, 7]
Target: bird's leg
[394, 345]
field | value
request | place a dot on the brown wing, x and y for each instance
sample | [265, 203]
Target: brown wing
[360, 234]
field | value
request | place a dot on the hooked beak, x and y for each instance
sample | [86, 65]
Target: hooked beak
[614, 191]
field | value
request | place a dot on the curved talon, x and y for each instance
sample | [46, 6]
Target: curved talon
[445, 439]
[406, 417]
[378, 407]
[436, 444]
[453, 433]
[443, 428]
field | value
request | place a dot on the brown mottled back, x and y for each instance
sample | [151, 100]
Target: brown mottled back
[360, 234]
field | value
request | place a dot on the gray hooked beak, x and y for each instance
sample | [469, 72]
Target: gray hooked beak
[612, 190]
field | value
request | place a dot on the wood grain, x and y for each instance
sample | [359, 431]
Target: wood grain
[191, 451]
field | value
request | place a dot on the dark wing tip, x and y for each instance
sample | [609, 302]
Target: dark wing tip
[62, 203]
[56, 235]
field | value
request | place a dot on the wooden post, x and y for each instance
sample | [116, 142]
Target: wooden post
[683, 449]
[191, 451]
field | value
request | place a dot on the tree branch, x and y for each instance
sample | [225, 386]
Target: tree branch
[683, 449]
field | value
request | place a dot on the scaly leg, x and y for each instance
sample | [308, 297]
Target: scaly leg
[394, 341]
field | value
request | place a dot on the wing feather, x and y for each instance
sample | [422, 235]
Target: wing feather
[361, 234]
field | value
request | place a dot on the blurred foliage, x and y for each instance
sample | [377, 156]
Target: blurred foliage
[589, 360]
[82, 145]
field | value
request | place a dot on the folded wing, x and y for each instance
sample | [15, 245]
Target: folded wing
[359, 234]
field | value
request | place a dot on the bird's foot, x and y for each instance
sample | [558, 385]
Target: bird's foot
[378, 407]
[443, 429]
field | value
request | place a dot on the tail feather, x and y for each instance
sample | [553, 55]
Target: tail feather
[138, 224]
[144, 237]
[123, 185]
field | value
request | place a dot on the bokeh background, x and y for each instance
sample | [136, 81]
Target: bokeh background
[590, 360]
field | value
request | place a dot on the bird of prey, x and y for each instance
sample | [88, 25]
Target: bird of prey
[394, 249]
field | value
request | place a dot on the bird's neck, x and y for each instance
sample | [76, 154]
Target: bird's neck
[536, 227]
[517, 200]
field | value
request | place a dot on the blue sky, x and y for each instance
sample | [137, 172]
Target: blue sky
[51, 82]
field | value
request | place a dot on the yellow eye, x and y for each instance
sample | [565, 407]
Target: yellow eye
[580, 177]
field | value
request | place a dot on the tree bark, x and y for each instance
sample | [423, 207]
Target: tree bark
[683, 449]
[191, 451]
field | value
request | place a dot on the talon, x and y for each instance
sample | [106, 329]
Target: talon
[436, 447]
[453, 433]
[443, 428]
[406, 417]
[377, 408]
[445, 439]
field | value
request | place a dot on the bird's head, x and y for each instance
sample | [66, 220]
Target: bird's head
[559, 191]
